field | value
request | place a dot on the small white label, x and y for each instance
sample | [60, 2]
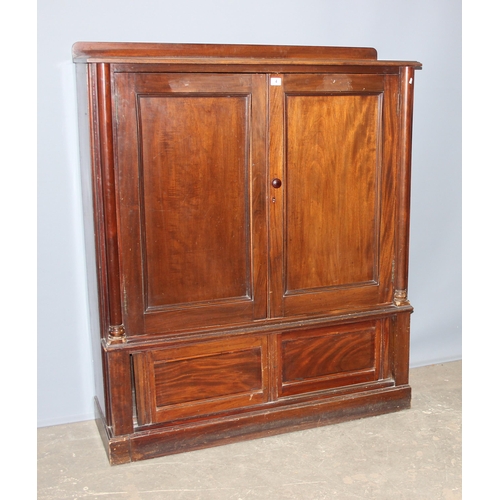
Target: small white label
[275, 81]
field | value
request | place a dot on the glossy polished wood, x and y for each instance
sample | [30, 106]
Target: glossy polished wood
[202, 378]
[249, 210]
[151, 52]
[332, 219]
[329, 357]
[191, 199]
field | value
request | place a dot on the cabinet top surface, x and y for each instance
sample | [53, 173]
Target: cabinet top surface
[124, 52]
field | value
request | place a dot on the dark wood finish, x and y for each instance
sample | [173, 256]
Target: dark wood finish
[151, 52]
[201, 378]
[109, 198]
[337, 239]
[325, 358]
[191, 200]
[119, 376]
[400, 348]
[406, 79]
[276, 221]
[188, 436]
[95, 263]
[249, 207]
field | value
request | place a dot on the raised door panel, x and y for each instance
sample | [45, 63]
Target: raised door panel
[334, 248]
[194, 198]
[331, 206]
[201, 379]
[329, 357]
[192, 215]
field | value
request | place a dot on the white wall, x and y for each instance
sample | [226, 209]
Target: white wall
[428, 31]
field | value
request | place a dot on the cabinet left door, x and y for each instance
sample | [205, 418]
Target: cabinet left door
[190, 160]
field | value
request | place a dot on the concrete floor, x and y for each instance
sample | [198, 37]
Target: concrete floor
[413, 454]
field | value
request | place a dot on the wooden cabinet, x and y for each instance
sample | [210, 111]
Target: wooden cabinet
[247, 219]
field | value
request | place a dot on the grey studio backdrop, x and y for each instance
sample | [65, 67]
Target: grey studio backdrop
[428, 31]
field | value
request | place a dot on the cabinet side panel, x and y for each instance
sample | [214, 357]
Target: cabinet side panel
[86, 165]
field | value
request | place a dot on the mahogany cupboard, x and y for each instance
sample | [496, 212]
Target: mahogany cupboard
[247, 212]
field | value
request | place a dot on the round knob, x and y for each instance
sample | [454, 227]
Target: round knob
[276, 183]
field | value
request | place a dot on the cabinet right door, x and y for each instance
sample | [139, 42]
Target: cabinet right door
[334, 145]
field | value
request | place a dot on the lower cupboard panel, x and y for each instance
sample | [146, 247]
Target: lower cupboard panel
[240, 373]
[200, 378]
[329, 357]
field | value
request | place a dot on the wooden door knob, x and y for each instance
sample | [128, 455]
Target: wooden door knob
[276, 183]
